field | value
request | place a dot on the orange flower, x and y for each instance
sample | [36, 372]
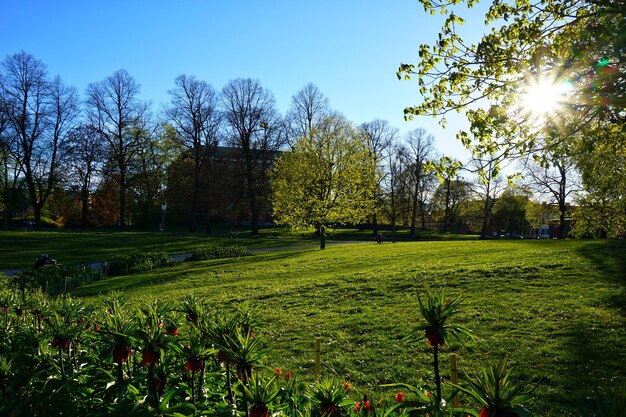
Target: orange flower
[287, 376]
[357, 407]
[279, 371]
[347, 386]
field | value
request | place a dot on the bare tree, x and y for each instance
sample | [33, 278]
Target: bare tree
[83, 157]
[487, 186]
[378, 136]
[391, 186]
[419, 150]
[252, 125]
[556, 178]
[40, 112]
[114, 109]
[309, 107]
[193, 112]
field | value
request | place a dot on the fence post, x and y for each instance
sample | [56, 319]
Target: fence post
[318, 357]
[454, 377]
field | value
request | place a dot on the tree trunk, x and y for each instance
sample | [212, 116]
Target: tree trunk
[322, 237]
[374, 224]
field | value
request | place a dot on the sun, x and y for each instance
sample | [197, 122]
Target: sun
[544, 97]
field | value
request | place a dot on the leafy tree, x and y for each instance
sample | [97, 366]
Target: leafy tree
[509, 211]
[114, 109]
[602, 207]
[569, 55]
[328, 178]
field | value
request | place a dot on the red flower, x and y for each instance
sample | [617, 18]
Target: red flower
[400, 397]
[194, 365]
[287, 376]
[259, 410]
[172, 331]
[347, 386]
[330, 410]
[222, 357]
[367, 406]
[149, 357]
[121, 353]
[61, 342]
[357, 407]
[434, 338]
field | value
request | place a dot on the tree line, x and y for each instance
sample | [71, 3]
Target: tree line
[107, 159]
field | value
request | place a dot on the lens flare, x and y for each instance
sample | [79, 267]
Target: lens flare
[542, 98]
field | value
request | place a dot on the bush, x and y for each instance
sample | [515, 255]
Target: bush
[218, 252]
[138, 262]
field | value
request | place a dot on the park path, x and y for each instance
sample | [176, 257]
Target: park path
[182, 257]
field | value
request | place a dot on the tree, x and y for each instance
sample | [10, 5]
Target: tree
[378, 136]
[40, 112]
[541, 44]
[447, 193]
[554, 177]
[308, 108]
[328, 178]
[509, 211]
[253, 128]
[83, 158]
[114, 109]
[417, 154]
[392, 187]
[602, 205]
[193, 113]
[487, 187]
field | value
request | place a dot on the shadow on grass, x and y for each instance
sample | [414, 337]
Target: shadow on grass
[596, 349]
[609, 257]
[167, 275]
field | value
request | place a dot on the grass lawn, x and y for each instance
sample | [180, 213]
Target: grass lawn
[20, 249]
[556, 308]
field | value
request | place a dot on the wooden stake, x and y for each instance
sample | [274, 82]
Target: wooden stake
[454, 377]
[318, 357]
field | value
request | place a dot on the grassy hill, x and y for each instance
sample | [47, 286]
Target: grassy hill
[556, 308]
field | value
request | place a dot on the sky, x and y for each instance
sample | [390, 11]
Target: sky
[350, 49]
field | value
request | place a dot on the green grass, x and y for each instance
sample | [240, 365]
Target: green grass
[556, 308]
[22, 248]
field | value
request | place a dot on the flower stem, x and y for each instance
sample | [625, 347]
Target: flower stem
[437, 378]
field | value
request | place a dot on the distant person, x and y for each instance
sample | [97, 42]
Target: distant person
[43, 261]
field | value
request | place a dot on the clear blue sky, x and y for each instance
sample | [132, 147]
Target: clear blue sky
[350, 49]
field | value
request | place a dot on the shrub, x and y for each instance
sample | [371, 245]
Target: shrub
[138, 262]
[218, 252]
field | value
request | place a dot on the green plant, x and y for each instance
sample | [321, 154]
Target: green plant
[329, 398]
[436, 328]
[259, 393]
[493, 388]
[218, 252]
